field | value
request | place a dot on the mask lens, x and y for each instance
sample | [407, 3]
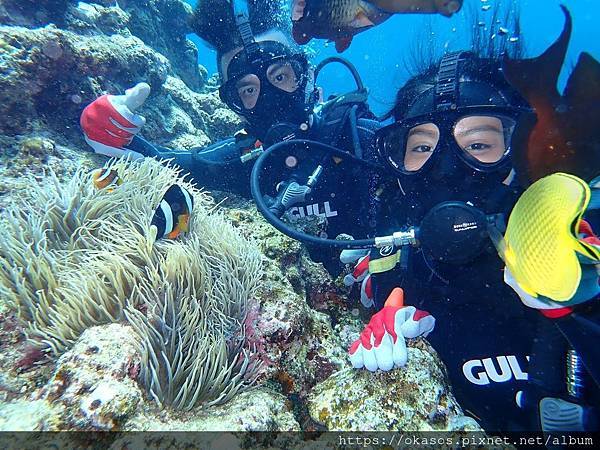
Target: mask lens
[247, 90]
[285, 75]
[421, 141]
[484, 139]
[243, 92]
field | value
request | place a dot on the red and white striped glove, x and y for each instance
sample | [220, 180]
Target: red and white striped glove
[382, 343]
[109, 122]
[360, 274]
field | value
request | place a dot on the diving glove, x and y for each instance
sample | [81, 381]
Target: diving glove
[360, 273]
[382, 343]
[109, 122]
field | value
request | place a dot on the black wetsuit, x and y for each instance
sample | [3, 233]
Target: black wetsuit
[492, 344]
[339, 194]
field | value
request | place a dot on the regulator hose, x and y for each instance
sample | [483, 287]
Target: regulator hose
[262, 206]
[359, 84]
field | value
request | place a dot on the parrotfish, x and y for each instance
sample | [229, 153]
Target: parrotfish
[340, 20]
[172, 216]
[563, 135]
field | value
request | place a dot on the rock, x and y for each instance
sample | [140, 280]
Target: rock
[416, 397]
[93, 18]
[256, 410]
[94, 382]
[49, 66]
[23, 415]
[297, 344]
[163, 25]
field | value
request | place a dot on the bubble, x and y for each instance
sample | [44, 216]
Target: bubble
[323, 235]
[75, 98]
[367, 57]
[291, 161]
[514, 39]
[486, 7]
[481, 24]
[561, 108]
[502, 30]
[52, 49]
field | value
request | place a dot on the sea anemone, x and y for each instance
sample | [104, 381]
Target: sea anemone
[73, 256]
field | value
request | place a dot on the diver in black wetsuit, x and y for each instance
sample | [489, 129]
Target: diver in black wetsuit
[268, 81]
[510, 367]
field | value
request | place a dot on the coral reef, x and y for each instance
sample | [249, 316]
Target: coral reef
[59, 66]
[94, 385]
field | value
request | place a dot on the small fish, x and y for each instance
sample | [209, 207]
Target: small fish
[563, 135]
[340, 20]
[106, 178]
[172, 216]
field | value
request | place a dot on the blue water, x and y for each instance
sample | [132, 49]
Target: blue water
[379, 53]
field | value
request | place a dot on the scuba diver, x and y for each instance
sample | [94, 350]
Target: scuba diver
[519, 357]
[450, 149]
[268, 81]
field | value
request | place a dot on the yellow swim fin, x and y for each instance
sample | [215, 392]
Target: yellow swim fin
[541, 245]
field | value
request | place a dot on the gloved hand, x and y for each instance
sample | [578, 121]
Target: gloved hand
[360, 274]
[109, 122]
[382, 343]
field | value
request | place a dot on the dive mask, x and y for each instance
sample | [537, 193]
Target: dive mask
[273, 68]
[479, 135]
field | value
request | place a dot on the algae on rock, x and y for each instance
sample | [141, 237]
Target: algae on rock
[414, 398]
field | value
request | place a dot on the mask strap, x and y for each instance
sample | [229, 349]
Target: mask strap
[242, 22]
[446, 85]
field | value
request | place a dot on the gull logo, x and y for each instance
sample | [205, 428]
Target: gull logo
[299, 212]
[484, 371]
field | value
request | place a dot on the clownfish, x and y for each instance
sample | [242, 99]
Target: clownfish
[172, 216]
[106, 178]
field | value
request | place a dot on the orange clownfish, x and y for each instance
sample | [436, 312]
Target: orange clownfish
[106, 178]
[172, 216]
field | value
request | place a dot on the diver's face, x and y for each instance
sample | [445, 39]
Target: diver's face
[280, 74]
[480, 137]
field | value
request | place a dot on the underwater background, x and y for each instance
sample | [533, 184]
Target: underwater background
[378, 54]
[80, 272]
